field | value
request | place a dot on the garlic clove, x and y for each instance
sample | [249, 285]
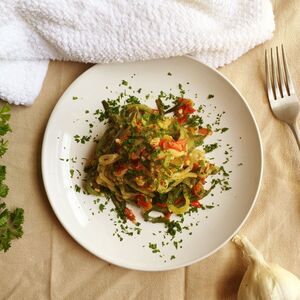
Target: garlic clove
[263, 280]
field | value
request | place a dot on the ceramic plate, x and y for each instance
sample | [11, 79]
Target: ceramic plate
[69, 142]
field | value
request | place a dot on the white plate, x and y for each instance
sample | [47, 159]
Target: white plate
[93, 230]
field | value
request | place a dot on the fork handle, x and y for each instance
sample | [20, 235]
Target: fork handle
[296, 132]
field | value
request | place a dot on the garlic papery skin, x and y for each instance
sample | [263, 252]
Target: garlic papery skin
[262, 280]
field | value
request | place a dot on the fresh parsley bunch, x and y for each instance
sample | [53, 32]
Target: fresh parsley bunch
[10, 221]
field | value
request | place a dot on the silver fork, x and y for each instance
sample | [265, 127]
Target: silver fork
[281, 92]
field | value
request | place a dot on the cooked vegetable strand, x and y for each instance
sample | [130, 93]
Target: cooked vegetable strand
[150, 160]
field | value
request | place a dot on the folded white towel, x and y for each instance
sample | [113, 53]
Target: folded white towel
[32, 32]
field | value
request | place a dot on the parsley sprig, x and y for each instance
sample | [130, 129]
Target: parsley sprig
[10, 221]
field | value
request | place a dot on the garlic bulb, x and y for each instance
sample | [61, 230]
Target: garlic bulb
[264, 281]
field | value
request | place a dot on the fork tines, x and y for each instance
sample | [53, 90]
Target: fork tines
[282, 85]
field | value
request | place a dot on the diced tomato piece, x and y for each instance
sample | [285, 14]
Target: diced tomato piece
[121, 169]
[134, 156]
[141, 201]
[129, 214]
[163, 144]
[187, 160]
[204, 131]
[137, 165]
[195, 166]
[189, 110]
[179, 145]
[186, 105]
[168, 215]
[197, 188]
[183, 119]
[162, 205]
[140, 197]
[179, 201]
[196, 204]
[185, 101]
[185, 108]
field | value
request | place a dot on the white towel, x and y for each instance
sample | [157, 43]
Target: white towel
[32, 32]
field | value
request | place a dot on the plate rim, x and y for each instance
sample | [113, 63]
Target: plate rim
[128, 266]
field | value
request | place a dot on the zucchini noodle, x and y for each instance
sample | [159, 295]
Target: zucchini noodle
[152, 159]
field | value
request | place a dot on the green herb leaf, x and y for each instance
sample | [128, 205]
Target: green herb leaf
[77, 188]
[2, 173]
[210, 148]
[10, 226]
[5, 113]
[10, 221]
[4, 128]
[3, 190]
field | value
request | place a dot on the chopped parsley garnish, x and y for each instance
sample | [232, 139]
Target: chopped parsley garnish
[75, 98]
[210, 148]
[77, 138]
[210, 96]
[124, 82]
[195, 120]
[82, 139]
[153, 247]
[209, 206]
[101, 207]
[181, 90]
[222, 130]
[132, 100]
[77, 188]
[173, 227]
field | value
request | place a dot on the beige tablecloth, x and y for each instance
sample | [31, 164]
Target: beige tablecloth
[48, 264]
